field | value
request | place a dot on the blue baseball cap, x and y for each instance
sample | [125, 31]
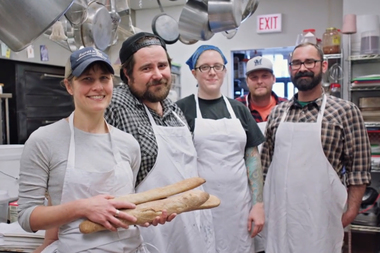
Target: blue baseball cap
[82, 58]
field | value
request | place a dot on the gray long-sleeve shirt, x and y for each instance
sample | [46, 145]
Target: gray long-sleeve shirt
[44, 159]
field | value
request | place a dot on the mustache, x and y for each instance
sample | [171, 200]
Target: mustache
[155, 82]
[304, 74]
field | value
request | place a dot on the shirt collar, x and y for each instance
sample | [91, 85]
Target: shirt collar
[316, 103]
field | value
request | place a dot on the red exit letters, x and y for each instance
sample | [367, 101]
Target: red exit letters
[269, 23]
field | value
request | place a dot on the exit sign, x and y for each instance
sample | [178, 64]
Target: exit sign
[269, 23]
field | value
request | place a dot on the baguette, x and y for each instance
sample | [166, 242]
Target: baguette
[163, 192]
[212, 202]
[147, 212]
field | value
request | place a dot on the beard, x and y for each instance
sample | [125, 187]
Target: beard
[305, 84]
[155, 94]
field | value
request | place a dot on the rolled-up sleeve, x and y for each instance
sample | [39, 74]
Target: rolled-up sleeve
[357, 149]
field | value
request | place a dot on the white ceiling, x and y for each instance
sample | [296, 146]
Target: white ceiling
[149, 4]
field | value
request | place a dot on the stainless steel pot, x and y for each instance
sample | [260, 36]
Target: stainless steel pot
[21, 22]
[224, 14]
[194, 21]
[96, 31]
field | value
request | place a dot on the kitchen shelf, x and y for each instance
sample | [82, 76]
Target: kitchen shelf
[364, 58]
[364, 88]
[362, 228]
[372, 124]
[332, 56]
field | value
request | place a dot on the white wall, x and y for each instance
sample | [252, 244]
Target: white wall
[296, 14]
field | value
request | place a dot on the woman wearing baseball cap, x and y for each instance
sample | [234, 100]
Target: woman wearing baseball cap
[83, 164]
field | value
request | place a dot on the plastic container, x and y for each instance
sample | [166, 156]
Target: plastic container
[309, 36]
[4, 201]
[331, 41]
[370, 42]
[12, 211]
[335, 90]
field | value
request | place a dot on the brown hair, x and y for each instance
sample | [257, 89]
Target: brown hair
[129, 64]
[305, 44]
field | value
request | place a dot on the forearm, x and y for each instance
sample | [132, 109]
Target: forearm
[46, 217]
[255, 174]
[355, 195]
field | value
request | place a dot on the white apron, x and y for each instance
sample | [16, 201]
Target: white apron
[80, 184]
[189, 232]
[220, 145]
[303, 195]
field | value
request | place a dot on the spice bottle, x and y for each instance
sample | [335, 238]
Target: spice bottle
[331, 41]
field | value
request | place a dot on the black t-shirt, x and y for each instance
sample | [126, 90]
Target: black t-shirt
[217, 109]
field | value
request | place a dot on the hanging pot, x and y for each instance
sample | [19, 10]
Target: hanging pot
[249, 9]
[165, 26]
[22, 21]
[96, 31]
[194, 21]
[77, 13]
[224, 14]
[186, 41]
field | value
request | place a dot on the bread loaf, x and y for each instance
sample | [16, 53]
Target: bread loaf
[212, 202]
[163, 192]
[147, 212]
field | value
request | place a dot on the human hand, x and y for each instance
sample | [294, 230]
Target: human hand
[348, 217]
[104, 210]
[257, 216]
[161, 219]
[51, 235]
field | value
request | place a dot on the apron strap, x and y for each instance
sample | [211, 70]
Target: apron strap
[228, 104]
[153, 123]
[199, 113]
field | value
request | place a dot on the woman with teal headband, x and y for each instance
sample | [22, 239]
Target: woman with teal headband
[226, 139]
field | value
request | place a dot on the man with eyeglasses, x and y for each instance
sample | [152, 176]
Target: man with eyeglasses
[141, 108]
[226, 139]
[309, 139]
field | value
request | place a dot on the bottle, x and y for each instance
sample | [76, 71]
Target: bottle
[335, 90]
[309, 36]
[331, 41]
[1, 88]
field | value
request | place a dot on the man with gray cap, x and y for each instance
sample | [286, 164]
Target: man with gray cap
[260, 100]
[141, 107]
[260, 79]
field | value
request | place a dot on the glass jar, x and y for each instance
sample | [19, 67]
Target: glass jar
[331, 41]
[309, 36]
[335, 90]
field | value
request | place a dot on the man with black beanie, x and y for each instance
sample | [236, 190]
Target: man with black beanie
[141, 108]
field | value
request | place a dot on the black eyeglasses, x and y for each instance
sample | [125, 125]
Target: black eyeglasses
[308, 63]
[207, 68]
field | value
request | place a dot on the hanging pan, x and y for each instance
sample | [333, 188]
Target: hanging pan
[194, 21]
[165, 26]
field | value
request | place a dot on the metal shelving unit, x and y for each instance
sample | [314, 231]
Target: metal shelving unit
[361, 228]
[332, 56]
